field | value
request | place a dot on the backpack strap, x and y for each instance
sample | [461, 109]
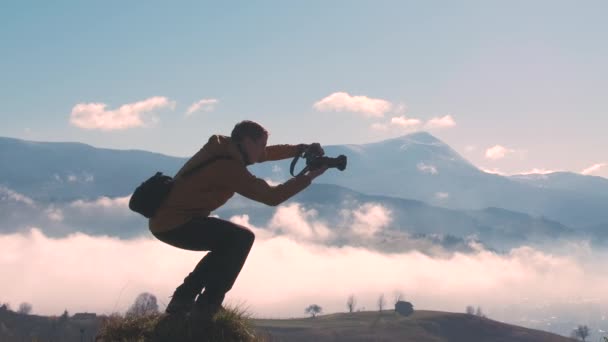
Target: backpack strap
[203, 164]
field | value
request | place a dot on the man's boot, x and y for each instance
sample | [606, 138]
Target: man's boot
[182, 301]
[205, 308]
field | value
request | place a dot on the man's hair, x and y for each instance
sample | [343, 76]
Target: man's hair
[247, 128]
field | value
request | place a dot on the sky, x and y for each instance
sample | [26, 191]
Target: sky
[514, 86]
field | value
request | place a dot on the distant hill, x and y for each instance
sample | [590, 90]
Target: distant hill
[416, 166]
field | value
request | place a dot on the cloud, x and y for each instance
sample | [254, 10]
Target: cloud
[593, 168]
[8, 194]
[442, 195]
[54, 214]
[379, 127]
[206, 105]
[440, 122]
[498, 152]
[424, 168]
[470, 148]
[494, 171]
[342, 101]
[404, 122]
[95, 116]
[299, 223]
[283, 275]
[367, 220]
[536, 171]
[103, 202]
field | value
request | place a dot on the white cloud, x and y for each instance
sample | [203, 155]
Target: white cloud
[498, 152]
[442, 195]
[404, 122]
[206, 105]
[299, 223]
[424, 168]
[494, 171]
[95, 115]
[8, 194]
[367, 220]
[537, 171]
[271, 182]
[276, 169]
[54, 214]
[283, 275]
[379, 127]
[341, 101]
[440, 122]
[103, 203]
[593, 168]
[470, 148]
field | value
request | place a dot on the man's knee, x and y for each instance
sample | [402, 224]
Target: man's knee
[248, 237]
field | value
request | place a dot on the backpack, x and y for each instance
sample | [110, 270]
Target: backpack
[150, 194]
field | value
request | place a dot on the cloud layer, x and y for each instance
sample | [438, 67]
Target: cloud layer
[290, 268]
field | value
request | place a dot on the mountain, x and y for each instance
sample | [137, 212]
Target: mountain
[52, 171]
[416, 166]
[567, 181]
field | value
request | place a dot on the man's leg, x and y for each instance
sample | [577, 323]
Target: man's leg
[229, 245]
[225, 262]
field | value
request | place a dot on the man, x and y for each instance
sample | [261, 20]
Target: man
[183, 219]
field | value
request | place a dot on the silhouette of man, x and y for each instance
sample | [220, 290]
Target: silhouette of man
[183, 219]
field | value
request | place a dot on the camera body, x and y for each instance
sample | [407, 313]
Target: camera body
[315, 161]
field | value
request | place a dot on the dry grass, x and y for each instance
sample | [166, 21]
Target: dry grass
[230, 324]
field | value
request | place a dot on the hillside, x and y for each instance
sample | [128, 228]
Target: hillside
[422, 326]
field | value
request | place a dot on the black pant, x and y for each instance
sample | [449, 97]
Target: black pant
[228, 245]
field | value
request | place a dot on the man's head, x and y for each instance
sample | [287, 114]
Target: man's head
[252, 137]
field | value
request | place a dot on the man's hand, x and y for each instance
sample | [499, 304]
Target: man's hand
[316, 173]
[316, 149]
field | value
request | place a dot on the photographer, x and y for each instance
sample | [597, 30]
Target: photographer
[183, 219]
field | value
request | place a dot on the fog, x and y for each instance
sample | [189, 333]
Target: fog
[290, 267]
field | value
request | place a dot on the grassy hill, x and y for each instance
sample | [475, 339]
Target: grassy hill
[422, 326]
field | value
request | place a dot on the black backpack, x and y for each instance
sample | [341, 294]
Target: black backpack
[149, 195]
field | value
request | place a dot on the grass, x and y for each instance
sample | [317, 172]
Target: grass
[230, 324]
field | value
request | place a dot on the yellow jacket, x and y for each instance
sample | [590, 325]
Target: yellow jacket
[200, 193]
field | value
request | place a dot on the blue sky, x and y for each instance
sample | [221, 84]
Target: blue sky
[512, 86]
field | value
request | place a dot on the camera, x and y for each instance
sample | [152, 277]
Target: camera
[316, 160]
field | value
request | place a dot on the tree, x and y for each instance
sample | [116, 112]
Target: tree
[351, 302]
[581, 332]
[64, 317]
[398, 296]
[25, 308]
[145, 304]
[314, 310]
[5, 307]
[381, 302]
[479, 313]
[470, 310]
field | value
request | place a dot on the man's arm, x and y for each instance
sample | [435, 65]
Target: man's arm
[246, 184]
[279, 152]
